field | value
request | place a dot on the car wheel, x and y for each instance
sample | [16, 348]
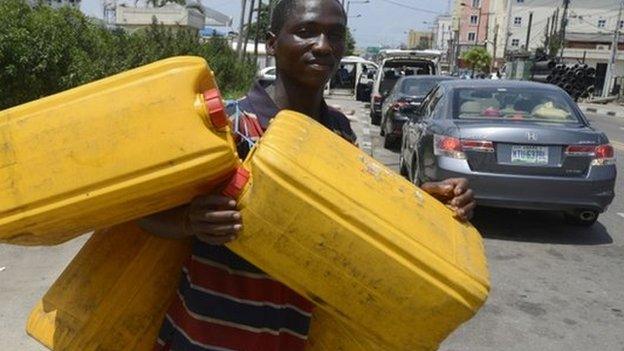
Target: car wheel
[389, 142]
[416, 170]
[382, 130]
[402, 168]
[583, 218]
[375, 119]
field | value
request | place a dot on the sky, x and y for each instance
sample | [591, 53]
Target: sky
[382, 22]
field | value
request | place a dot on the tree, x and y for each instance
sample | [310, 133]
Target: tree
[478, 58]
[44, 51]
[350, 43]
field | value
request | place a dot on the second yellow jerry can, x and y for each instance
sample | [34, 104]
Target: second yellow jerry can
[361, 242]
[111, 151]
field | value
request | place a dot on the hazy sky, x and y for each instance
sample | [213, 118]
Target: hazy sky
[382, 21]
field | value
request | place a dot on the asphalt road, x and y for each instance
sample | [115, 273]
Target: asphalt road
[554, 287]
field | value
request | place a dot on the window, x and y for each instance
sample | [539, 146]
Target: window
[476, 3]
[518, 21]
[621, 24]
[474, 19]
[515, 42]
[472, 36]
[602, 23]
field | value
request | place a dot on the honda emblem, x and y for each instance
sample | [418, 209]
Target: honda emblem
[532, 136]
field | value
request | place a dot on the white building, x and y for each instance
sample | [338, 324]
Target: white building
[443, 32]
[172, 14]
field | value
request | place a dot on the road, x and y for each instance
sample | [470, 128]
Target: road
[554, 287]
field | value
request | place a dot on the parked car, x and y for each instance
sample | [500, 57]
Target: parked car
[267, 76]
[522, 145]
[394, 65]
[403, 103]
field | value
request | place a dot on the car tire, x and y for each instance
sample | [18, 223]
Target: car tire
[402, 168]
[390, 142]
[582, 218]
[375, 119]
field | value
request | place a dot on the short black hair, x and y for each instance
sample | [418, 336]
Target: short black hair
[282, 11]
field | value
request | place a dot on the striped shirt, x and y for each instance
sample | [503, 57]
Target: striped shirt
[224, 303]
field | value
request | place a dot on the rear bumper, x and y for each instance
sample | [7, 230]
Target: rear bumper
[594, 192]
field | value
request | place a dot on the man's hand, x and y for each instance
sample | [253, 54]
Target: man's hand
[455, 193]
[213, 219]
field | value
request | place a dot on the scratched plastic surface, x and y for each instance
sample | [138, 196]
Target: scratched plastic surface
[113, 295]
[368, 247]
[108, 152]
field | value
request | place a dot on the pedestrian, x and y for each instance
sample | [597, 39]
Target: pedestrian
[224, 302]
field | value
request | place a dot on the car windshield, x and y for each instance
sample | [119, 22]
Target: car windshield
[418, 87]
[513, 104]
[395, 69]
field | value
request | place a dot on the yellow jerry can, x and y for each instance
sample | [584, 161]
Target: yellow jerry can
[387, 265]
[114, 293]
[358, 240]
[111, 151]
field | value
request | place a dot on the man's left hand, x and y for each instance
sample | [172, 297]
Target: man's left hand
[456, 194]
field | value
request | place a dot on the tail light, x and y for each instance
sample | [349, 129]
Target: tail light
[399, 105]
[603, 155]
[477, 145]
[455, 148]
[448, 146]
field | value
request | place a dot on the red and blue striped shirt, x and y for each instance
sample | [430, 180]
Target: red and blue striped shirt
[224, 303]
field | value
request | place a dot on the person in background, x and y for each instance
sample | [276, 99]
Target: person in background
[224, 302]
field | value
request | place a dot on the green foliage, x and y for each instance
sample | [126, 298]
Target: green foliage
[478, 58]
[350, 43]
[44, 51]
[263, 22]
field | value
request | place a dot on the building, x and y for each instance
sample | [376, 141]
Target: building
[473, 23]
[171, 15]
[589, 33]
[419, 40]
[442, 32]
[56, 3]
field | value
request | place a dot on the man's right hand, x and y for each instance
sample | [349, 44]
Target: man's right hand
[213, 219]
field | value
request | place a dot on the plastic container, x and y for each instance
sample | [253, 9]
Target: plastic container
[388, 266]
[358, 240]
[111, 151]
[113, 295]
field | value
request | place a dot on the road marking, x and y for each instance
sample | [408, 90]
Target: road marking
[618, 145]
[621, 214]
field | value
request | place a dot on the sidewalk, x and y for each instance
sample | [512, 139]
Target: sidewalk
[614, 110]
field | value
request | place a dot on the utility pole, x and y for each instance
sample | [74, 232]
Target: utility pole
[528, 37]
[495, 44]
[508, 30]
[547, 36]
[564, 24]
[258, 30]
[240, 29]
[610, 76]
[248, 31]
[271, 9]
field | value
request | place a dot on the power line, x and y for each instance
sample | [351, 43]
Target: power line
[412, 7]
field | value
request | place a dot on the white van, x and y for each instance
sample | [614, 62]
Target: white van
[396, 64]
[349, 74]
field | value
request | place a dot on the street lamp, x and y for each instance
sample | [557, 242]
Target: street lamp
[349, 2]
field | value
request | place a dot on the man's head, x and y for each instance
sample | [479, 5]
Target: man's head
[308, 40]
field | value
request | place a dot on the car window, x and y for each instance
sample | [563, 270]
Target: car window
[418, 87]
[536, 105]
[436, 111]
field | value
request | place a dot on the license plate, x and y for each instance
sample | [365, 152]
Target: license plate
[528, 154]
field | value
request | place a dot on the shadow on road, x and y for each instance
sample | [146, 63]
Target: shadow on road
[536, 226]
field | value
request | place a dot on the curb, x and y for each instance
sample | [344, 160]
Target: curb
[603, 111]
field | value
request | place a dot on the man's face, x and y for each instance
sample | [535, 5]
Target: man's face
[311, 44]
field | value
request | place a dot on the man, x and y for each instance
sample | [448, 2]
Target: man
[224, 302]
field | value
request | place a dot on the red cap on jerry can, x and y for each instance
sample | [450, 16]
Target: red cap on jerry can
[237, 183]
[216, 110]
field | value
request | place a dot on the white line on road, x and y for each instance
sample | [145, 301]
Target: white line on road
[366, 131]
[621, 214]
[618, 145]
